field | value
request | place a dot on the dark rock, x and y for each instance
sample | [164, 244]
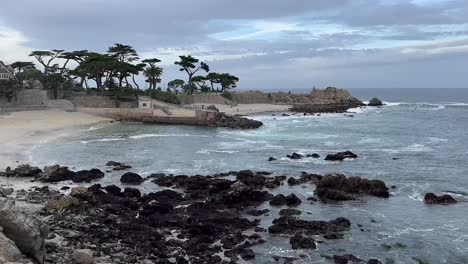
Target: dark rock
[347, 259]
[131, 178]
[112, 189]
[284, 115]
[341, 156]
[293, 181]
[375, 102]
[289, 225]
[374, 261]
[295, 156]
[222, 120]
[247, 254]
[339, 188]
[131, 192]
[431, 198]
[290, 200]
[118, 165]
[23, 171]
[299, 241]
[213, 108]
[88, 175]
[55, 173]
[289, 212]
[156, 175]
[113, 163]
[314, 155]
[272, 159]
[256, 212]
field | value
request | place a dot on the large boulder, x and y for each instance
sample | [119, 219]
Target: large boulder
[55, 173]
[295, 156]
[83, 256]
[131, 178]
[375, 102]
[28, 234]
[431, 198]
[299, 241]
[24, 170]
[222, 120]
[8, 250]
[341, 156]
[88, 175]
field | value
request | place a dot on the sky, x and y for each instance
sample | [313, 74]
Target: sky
[268, 44]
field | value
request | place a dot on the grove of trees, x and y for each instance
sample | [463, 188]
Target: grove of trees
[115, 70]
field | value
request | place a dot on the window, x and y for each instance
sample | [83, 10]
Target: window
[144, 104]
[4, 76]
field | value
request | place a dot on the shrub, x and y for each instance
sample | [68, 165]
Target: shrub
[168, 97]
[227, 95]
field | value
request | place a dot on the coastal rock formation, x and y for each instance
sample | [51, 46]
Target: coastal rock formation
[28, 234]
[131, 178]
[375, 102]
[329, 100]
[431, 198]
[339, 188]
[118, 165]
[21, 171]
[295, 156]
[299, 241]
[290, 225]
[8, 250]
[88, 175]
[341, 156]
[290, 200]
[55, 173]
[215, 119]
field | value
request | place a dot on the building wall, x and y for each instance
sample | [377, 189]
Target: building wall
[97, 101]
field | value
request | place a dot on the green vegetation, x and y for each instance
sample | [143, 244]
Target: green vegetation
[114, 74]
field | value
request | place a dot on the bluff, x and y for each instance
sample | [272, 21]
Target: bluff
[329, 100]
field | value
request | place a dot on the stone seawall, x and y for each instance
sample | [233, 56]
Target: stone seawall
[97, 101]
[204, 99]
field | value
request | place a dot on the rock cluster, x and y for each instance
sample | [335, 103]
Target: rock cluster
[340, 188]
[375, 102]
[52, 174]
[341, 156]
[216, 119]
[431, 198]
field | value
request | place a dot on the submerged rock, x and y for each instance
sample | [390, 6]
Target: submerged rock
[290, 200]
[290, 225]
[341, 156]
[299, 241]
[272, 159]
[431, 198]
[295, 156]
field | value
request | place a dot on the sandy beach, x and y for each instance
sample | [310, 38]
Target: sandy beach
[250, 109]
[19, 131]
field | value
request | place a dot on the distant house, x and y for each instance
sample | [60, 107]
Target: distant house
[6, 72]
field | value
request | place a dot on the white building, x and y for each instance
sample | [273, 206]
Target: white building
[6, 72]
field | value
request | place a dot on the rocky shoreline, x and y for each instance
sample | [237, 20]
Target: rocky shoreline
[187, 219]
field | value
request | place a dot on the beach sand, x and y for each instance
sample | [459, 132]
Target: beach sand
[20, 131]
[250, 109]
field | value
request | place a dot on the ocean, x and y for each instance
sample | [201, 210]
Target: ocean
[417, 142]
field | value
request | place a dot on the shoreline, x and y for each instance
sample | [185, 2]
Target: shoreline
[21, 131]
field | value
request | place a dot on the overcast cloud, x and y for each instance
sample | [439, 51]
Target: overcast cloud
[269, 44]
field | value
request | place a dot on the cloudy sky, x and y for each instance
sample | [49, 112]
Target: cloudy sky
[269, 44]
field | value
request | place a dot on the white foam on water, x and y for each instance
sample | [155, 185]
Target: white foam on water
[436, 139]
[208, 151]
[103, 140]
[394, 103]
[416, 148]
[164, 135]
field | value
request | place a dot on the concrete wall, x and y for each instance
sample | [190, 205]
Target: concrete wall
[97, 101]
[250, 98]
[204, 99]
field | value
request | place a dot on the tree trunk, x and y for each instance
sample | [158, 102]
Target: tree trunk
[136, 84]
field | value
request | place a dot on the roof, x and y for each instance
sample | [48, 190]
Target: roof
[5, 68]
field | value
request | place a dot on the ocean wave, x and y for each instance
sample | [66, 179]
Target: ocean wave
[163, 135]
[102, 140]
[208, 151]
[436, 139]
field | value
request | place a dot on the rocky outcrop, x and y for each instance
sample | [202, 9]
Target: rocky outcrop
[431, 198]
[131, 178]
[375, 102]
[291, 225]
[8, 250]
[340, 188]
[28, 234]
[215, 119]
[299, 241]
[21, 171]
[55, 173]
[290, 200]
[329, 100]
[341, 156]
[118, 165]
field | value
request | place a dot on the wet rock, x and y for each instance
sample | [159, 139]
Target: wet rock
[290, 200]
[431, 198]
[113, 189]
[8, 250]
[4, 192]
[77, 191]
[131, 178]
[83, 256]
[347, 259]
[299, 241]
[290, 225]
[375, 102]
[289, 212]
[374, 261]
[341, 156]
[88, 175]
[295, 156]
[340, 188]
[249, 178]
[272, 159]
[222, 120]
[22, 171]
[131, 192]
[314, 155]
[61, 204]
[257, 212]
[55, 173]
[293, 181]
[28, 234]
